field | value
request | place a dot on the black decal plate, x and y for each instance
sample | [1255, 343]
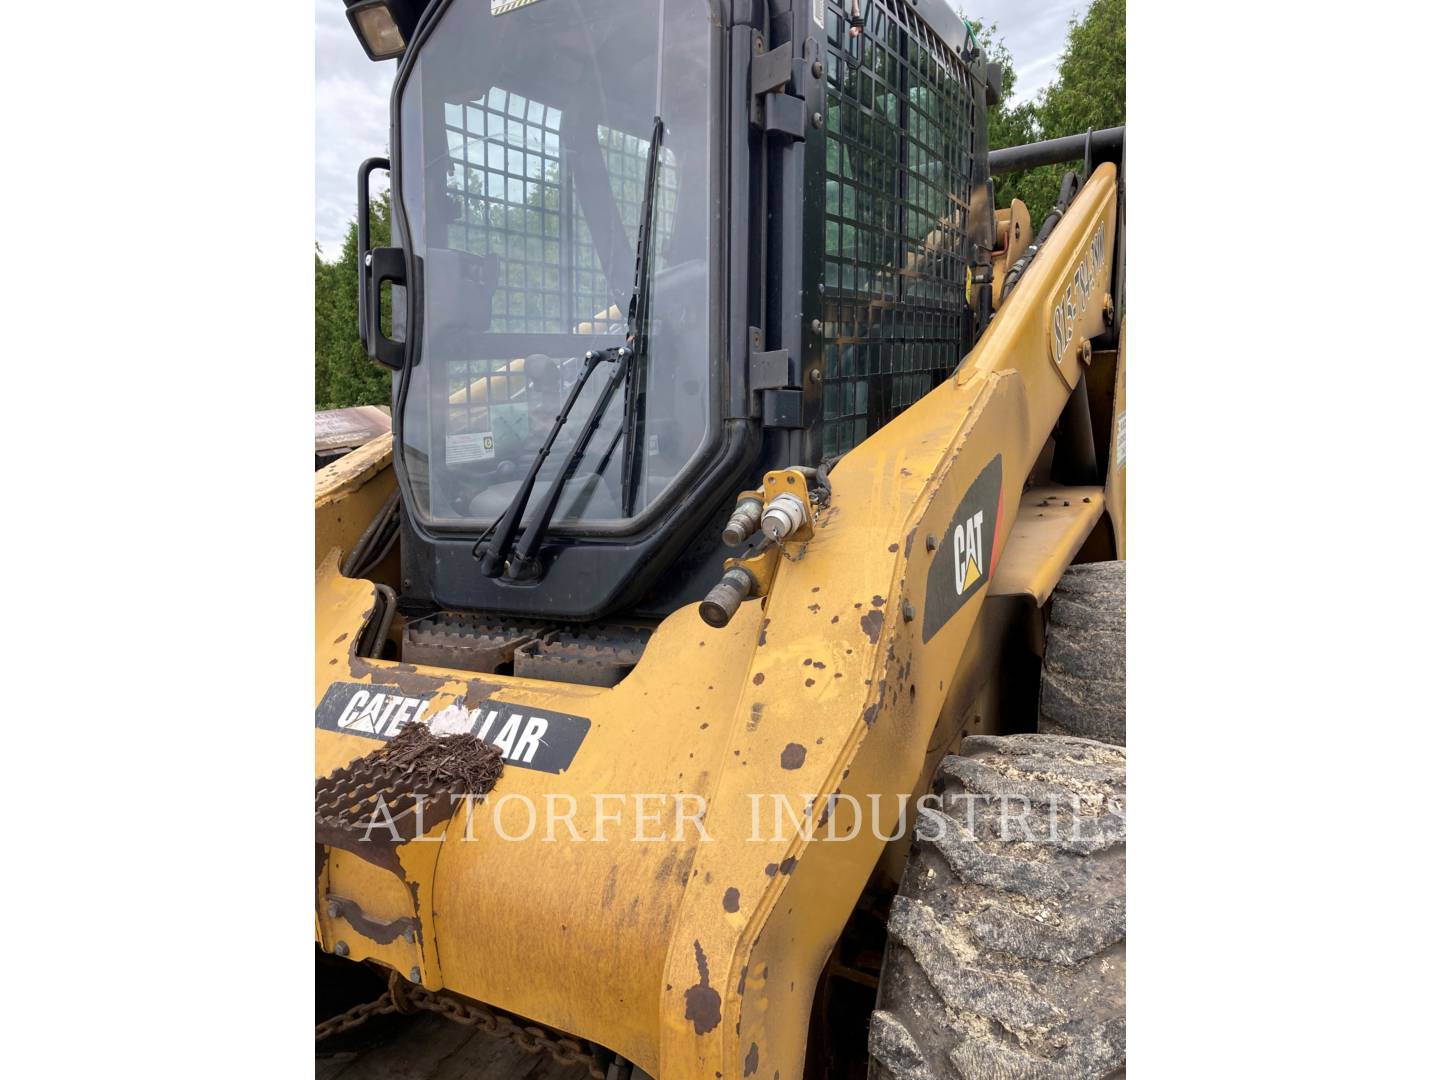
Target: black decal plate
[528, 737]
[966, 556]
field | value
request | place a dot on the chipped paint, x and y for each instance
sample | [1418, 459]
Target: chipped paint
[702, 1001]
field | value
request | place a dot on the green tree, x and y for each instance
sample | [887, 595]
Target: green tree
[1088, 92]
[344, 375]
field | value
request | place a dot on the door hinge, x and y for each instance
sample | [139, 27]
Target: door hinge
[771, 106]
[773, 384]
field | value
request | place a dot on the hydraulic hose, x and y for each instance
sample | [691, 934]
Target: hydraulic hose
[1069, 188]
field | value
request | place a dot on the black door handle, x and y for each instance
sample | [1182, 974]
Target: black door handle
[384, 265]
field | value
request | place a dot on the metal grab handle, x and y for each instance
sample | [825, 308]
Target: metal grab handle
[362, 237]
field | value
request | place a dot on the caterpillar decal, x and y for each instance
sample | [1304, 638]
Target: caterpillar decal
[966, 557]
[530, 738]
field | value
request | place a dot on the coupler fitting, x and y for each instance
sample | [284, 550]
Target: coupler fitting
[743, 522]
[721, 602]
[785, 514]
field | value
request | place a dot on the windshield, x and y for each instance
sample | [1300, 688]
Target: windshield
[524, 134]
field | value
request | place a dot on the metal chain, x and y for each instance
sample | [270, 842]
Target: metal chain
[353, 1018]
[402, 997]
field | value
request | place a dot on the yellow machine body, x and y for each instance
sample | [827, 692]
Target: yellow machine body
[698, 956]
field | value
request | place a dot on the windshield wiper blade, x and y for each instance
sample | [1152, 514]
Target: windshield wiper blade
[630, 367]
[638, 332]
[524, 566]
[492, 564]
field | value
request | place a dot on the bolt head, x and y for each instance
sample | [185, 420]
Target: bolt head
[415, 974]
[818, 69]
[816, 325]
[341, 949]
[817, 120]
[589, 354]
[930, 542]
[409, 936]
[814, 374]
[332, 909]
[907, 610]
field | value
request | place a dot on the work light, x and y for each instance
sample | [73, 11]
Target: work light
[375, 26]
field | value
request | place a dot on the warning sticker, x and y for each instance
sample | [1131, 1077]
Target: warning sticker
[476, 446]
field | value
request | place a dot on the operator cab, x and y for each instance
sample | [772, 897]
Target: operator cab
[647, 250]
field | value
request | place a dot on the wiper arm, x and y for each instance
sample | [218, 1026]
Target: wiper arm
[629, 366]
[638, 332]
[524, 566]
[504, 530]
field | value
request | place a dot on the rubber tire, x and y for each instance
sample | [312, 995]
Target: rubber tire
[1006, 958]
[1082, 679]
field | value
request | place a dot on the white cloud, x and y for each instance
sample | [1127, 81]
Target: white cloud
[352, 119]
[1034, 32]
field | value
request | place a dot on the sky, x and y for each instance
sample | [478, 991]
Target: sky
[352, 94]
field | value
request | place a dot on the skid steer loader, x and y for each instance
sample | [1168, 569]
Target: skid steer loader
[720, 671]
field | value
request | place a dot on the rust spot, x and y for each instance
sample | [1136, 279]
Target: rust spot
[815, 588]
[771, 869]
[814, 609]
[893, 548]
[834, 619]
[870, 712]
[743, 972]
[793, 756]
[382, 933]
[764, 625]
[341, 638]
[731, 901]
[401, 676]
[787, 865]
[809, 682]
[819, 666]
[752, 1060]
[877, 601]
[702, 1003]
[759, 678]
[807, 662]
[608, 896]
[476, 692]
[334, 660]
[871, 622]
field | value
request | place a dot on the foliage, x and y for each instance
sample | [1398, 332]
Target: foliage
[1089, 92]
[344, 375]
